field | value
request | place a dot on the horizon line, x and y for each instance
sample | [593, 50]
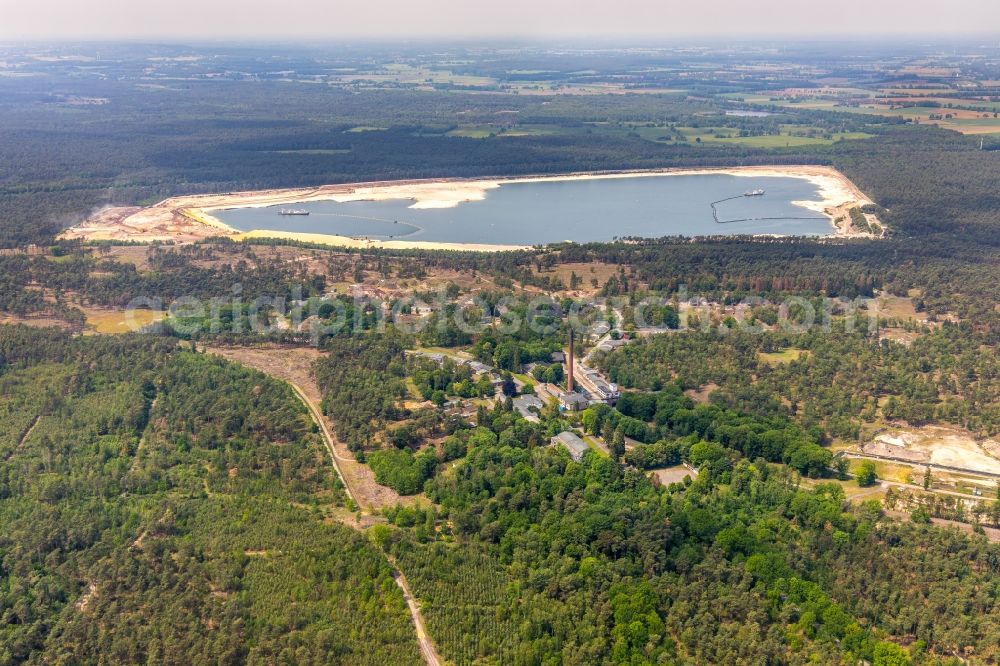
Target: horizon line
[615, 39]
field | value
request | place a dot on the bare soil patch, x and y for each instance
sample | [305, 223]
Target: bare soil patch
[36, 321]
[137, 255]
[668, 475]
[946, 446]
[899, 307]
[111, 321]
[587, 272]
[702, 395]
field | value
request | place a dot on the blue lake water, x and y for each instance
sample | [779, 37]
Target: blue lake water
[599, 209]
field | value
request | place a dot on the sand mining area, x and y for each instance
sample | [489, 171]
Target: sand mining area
[187, 219]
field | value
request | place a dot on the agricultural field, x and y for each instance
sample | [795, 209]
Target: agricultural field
[502, 130]
[934, 106]
[405, 74]
[316, 151]
[789, 136]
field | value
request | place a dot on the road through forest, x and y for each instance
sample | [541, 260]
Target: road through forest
[293, 366]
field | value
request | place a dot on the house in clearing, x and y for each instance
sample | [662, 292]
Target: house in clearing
[576, 446]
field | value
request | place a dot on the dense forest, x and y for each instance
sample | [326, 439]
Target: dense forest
[210, 472]
[362, 381]
[838, 381]
[590, 563]
[526, 555]
[168, 507]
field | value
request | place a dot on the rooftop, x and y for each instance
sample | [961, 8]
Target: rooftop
[523, 403]
[576, 446]
[574, 399]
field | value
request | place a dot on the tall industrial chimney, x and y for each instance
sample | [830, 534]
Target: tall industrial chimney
[569, 364]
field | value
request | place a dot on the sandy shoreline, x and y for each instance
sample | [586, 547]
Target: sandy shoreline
[189, 218]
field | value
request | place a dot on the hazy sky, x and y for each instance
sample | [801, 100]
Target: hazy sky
[226, 19]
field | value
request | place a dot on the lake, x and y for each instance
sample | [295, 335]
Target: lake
[537, 213]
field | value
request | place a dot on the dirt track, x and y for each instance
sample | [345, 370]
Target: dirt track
[294, 366]
[992, 533]
[427, 650]
[328, 438]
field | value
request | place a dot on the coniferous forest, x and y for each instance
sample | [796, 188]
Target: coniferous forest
[164, 506]
[160, 504]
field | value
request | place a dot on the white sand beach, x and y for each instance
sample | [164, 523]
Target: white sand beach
[189, 218]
